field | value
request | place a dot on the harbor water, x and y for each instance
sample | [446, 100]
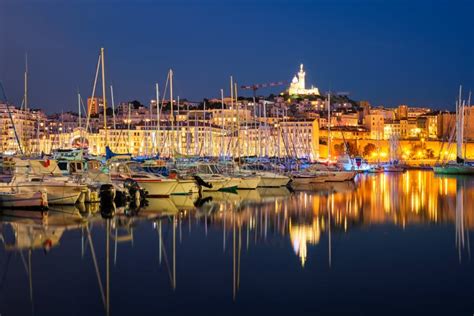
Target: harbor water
[385, 244]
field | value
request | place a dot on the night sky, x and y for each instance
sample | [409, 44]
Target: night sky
[387, 52]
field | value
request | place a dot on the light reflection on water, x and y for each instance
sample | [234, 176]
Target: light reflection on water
[245, 252]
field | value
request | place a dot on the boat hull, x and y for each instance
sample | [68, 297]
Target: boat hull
[58, 193]
[302, 180]
[453, 169]
[232, 183]
[249, 183]
[273, 181]
[157, 188]
[185, 187]
[24, 200]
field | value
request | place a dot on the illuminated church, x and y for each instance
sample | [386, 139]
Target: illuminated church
[298, 85]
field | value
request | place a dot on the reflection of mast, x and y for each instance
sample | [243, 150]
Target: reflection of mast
[238, 259]
[461, 233]
[236, 251]
[233, 258]
[160, 242]
[224, 233]
[174, 252]
[30, 277]
[96, 266]
[330, 207]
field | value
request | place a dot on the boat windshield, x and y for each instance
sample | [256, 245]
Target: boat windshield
[208, 169]
[136, 168]
[255, 167]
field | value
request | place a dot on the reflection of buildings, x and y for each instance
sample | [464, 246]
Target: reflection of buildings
[414, 197]
[302, 235]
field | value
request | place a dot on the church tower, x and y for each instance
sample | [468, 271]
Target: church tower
[301, 78]
[298, 85]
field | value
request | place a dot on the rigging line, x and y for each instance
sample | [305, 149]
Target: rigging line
[24, 261]
[94, 259]
[158, 150]
[165, 256]
[93, 94]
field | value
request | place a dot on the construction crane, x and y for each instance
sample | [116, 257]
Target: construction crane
[255, 87]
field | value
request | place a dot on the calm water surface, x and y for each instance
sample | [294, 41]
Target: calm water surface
[387, 244]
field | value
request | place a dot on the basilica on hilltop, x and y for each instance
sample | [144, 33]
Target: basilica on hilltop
[298, 85]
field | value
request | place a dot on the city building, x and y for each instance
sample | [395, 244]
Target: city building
[95, 105]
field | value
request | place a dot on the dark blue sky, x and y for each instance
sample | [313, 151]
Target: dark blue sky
[387, 52]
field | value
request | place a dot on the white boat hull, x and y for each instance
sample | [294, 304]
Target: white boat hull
[232, 183]
[58, 193]
[157, 188]
[24, 200]
[185, 186]
[301, 180]
[249, 183]
[273, 181]
[217, 184]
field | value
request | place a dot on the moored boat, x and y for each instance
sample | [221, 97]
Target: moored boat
[24, 200]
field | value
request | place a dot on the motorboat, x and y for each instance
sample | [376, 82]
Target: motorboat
[212, 175]
[155, 185]
[23, 200]
[267, 177]
[318, 173]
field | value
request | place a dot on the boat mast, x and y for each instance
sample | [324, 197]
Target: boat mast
[128, 128]
[89, 105]
[188, 131]
[222, 124]
[231, 111]
[79, 109]
[25, 96]
[469, 113]
[265, 127]
[204, 139]
[172, 112]
[460, 126]
[178, 128]
[238, 123]
[104, 94]
[329, 126]
[113, 104]
[158, 138]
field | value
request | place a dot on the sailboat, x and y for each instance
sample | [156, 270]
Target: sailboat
[318, 173]
[460, 166]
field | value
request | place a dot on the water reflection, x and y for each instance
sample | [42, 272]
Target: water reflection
[259, 219]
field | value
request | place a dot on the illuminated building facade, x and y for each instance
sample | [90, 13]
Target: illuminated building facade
[298, 85]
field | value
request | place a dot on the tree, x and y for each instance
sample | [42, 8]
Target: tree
[369, 149]
[136, 104]
[350, 148]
